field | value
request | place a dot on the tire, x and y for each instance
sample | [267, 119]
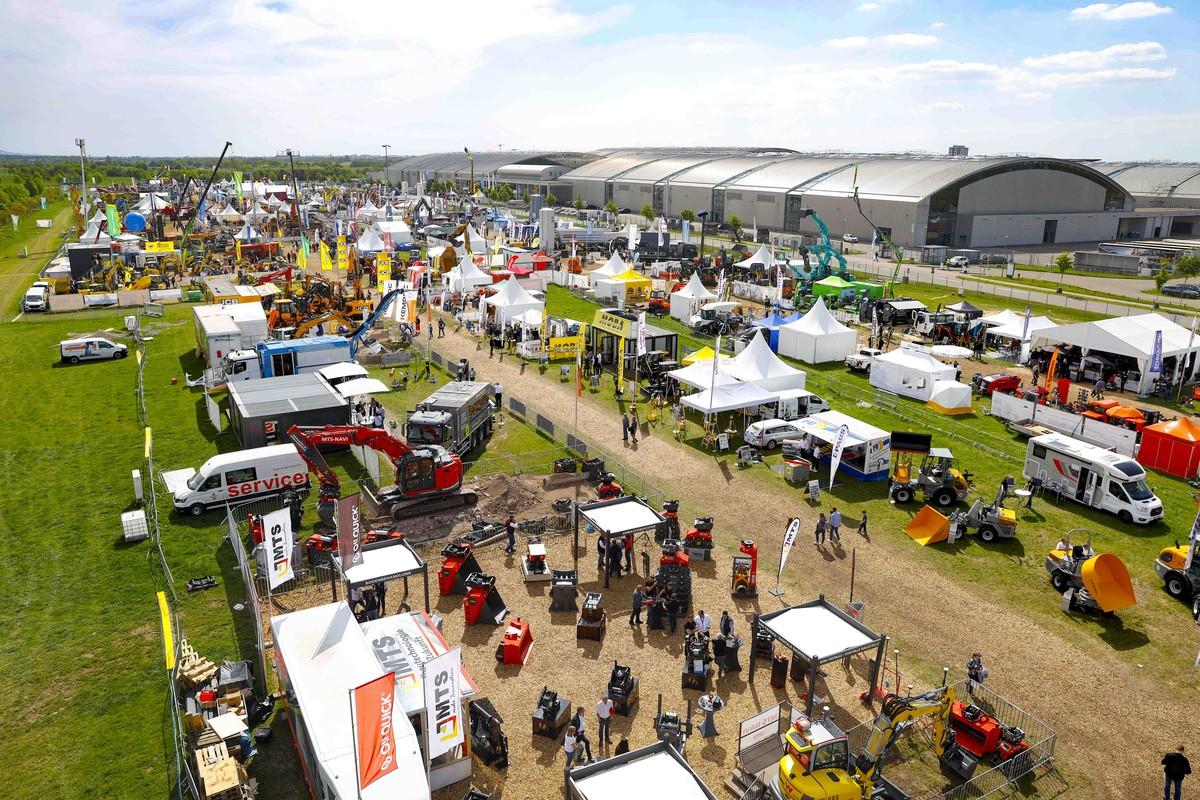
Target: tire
[1060, 581]
[988, 534]
[902, 494]
[1125, 517]
[770, 444]
[73, 360]
[119, 355]
[943, 498]
[197, 509]
[1177, 586]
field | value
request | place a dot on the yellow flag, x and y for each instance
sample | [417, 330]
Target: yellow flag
[326, 259]
[238, 246]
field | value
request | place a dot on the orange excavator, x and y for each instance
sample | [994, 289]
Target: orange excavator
[428, 479]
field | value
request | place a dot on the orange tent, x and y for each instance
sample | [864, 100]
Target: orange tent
[1172, 446]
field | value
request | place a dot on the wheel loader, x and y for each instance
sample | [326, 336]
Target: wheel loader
[936, 478]
[991, 521]
[1087, 580]
[1179, 571]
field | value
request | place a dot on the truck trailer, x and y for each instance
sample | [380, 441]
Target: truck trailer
[457, 416]
[286, 357]
[220, 330]
[1093, 476]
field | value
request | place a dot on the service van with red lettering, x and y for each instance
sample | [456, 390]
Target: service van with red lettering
[237, 476]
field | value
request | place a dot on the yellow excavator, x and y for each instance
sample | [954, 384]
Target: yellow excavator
[333, 322]
[818, 764]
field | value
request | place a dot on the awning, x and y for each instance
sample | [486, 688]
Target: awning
[343, 369]
[359, 386]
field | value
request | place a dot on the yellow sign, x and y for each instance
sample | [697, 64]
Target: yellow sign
[383, 268]
[611, 323]
[341, 241]
[326, 261]
[564, 347]
[160, 247]
[164, 614]
[238, 247]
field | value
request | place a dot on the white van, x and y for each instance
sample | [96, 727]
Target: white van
[37, 297]
[91, 348]
[1093, 476]
[234, 477]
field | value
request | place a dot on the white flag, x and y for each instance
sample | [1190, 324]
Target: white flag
[641, 334]
[716, 358]
[789, 539]
[687, 231]
[443, 703]
[277, 534]
[838, 445]
[754, 229]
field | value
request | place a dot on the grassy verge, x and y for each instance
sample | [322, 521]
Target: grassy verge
[17, 271]
[1144, 297]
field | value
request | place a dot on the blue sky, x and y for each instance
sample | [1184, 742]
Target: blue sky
[1072, 79]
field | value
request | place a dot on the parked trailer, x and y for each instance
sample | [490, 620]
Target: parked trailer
[457, 416]
[1093, 476]
[286, 357]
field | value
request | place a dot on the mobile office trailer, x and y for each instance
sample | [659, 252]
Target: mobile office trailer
[221, 330]
[273, 359]
[457, 416]
[235, 477]
[261, 411]
[1093, 476]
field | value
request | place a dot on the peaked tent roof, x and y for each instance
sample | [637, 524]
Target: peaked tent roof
[512, 293]
[630, 276]
[1014, 330]
[757, 362]
[818, 321]
[914, 359]
[1184, 428]
[963, 307]
[775, 320]
[1005, 317]
[370, 242]
[700, 374]
[1128, 336]
[729, 397]
[247, 233]
[703, 354]
[834, 282]
[694, 289]
[762, 255]
[613, 267]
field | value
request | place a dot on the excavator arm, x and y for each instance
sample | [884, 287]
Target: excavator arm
[360, 333]
[898, 712]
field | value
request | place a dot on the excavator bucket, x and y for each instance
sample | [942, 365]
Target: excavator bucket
[1107, 581]
[928, 527]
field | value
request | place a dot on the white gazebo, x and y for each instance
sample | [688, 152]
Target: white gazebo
[762, 255]
[687, 301]
[247, 234]
[510, 301]
[465, 277]
[758, 365]
[817, 337]
[731, 397]
[612, 268]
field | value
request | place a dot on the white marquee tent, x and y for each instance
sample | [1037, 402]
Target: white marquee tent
[817, 337]
[228, 214]
[465, 277]
[762, 255]
[730, 397]
[909, 372]
[246, 234]
[400, 232]
[758, 365]
[370, 242]
[687, 301]
[700, 374]
[1005, 317]
[613, 267]
[510, 301]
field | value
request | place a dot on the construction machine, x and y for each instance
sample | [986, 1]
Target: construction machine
[935, 478]
[428, 479]
[285, 273]
[1179, 570]
[818, 765]
[824, 251]
[991, 520]
[1086, 580]
[334, 321]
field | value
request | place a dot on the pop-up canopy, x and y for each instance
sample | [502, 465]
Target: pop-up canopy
[817, 337]
[687, 301]
[762, 255]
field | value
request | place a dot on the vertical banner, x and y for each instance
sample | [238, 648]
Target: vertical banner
[641, 334]
[279, 540]
[349, 530]
[789, 539]
[237, 188]
[1156, 358]
[375, 737]
[687, 231]
[343, 256]
[443, 703]
[15, 218]
[383, 268]
[43, 203]
[838, 445]
[1025, 327]
[1192, 539]
[326, 261]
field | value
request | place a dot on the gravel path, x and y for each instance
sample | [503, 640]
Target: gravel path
[1113, 723]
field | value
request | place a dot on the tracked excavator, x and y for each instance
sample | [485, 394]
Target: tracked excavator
[818, 764]
[428, 479]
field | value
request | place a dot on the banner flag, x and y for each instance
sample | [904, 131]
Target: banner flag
[373, 705]
[350, 532]
[443, 703]
[326, 260]
[838, 445]
[641, 334]
[1156, 357]
[237, 188]
[280, 542]
[789, 539]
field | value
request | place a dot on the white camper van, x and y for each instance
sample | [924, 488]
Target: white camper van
[234, 477]
[1093, 476]
[91, 348]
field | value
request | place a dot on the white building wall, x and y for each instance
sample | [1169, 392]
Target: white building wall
[592, 190]
[749, 205]
[1010, 230]
[632, 195]
[1029, 190]
[899, 216]
[697, 198]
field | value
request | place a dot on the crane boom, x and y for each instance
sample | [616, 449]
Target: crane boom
[360, 333]
[897, 713]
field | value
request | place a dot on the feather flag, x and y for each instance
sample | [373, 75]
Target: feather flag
[114, 225]
[579, 372]
[326, 259]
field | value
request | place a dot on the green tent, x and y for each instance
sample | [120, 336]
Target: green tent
[833, 285]
[873, 290]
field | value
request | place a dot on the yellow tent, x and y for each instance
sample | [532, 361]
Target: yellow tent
[637, 286]
[703, 354]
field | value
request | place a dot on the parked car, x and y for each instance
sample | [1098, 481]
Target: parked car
[849, 238]
[958, 262]
[1190, 290]
[37, 297]
[92, 348]
[770, 433]
[861, 361]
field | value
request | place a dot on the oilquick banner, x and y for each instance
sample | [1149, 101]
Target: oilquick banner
[114, 225]
[1156, 364]
[373, 731]
[838, 445]
[443, 703]
[277, 527]
[1192, 539]
[350, 532]
[789, 539]
[641, 334]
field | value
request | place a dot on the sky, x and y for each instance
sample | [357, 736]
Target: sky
[1068, 79]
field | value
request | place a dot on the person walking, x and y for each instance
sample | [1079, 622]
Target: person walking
[726, 625]
[835, 525]
[672, 604]
[625, 428]
[629, 553]
[441, 328]
[976, 672]
[633, 426]
[510, 527]
[1175, 769]
[1098, 389]
[862, 525]
[491, 346]
[635, 615]
[819, 533]
[579, 722]
[569, 749]
[1033, 371]
[600, 547]
[604, 713]
[498, 388]
[1123, 378]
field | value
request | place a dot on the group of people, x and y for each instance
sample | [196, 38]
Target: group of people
[368, 602]
[629, 425]
[611, 554]
[576, 738]
[371, 414]
[831, 527]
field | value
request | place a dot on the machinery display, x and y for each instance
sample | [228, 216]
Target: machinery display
[696, 658]
[564, 588]
[427, 479]
[1089, 581]
[483, 603]
[824, 251]
[623, 689]
[698, 541]
[935, 477]
[533, 563]
[818, 765]
[1179, 571]
[593, 619]
[457, 417]
[984, 736]
[489, 743]
[609, 489]
[321, 546]
[670, 528]
[459, 562]
[517, 643]
[744, 580]
[551, 714]
[672, 727]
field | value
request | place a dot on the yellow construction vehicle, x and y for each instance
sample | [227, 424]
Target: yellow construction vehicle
[818, 765]
[333, 321]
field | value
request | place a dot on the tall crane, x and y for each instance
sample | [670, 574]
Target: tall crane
[824, 249]
[897, 253]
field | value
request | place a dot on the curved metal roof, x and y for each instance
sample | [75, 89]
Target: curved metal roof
[718, 171]
[611, 166]
[1163, 181]
[791, 173]
[661, 168]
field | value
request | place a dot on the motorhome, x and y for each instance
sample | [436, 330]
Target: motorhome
[237, 476]
[1093, 476]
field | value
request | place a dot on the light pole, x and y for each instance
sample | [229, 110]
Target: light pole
[471, 161]
[703, 217]
[386, 180]
[843, 245]
[81, 144]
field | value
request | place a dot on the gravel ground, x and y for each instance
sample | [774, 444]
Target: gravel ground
[1127, 720]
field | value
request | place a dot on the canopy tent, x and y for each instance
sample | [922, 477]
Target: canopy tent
[98, 217]
[1005, 317]
[627, 515]
[950, 397]
[530, 319]
[247, 234]
[700, 374]
[728, 397]
[396, 228]
[613, 267]
[703, 354]
[656, 770]
[149, 204]
[94, 235]
[1017, 330]
[632, 285]
[227, 214]
[370, 242]
[832, 285]
[761, 367]
[687, 301]
[1172, 446]
[909, 372]
[817, 337]
[772, 323]
[762, 255]
[258, 213]
[466, 277]
[966, 309]
[368, 210]
[1132, 337]
[361, 386]
[511, 300]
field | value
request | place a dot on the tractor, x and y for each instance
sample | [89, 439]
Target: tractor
[936, 478]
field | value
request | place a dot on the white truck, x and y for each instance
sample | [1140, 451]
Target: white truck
[237, 476]
[861, 361]
[37, 297]
[794, 404]
[1093, 476]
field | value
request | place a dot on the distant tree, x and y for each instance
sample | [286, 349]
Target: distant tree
[579, 203]
[736, 222]
[551, 200]
[1161, 277]
[611, 207]
[648, 212]
[1188, 266]
[687, 215]
[1063, 263]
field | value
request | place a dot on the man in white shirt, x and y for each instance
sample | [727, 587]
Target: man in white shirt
[703, 623]
[604, 712]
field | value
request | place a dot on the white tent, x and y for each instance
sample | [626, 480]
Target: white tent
[817, 337]
[950, 397]
[465, 277]
[1005, 317]
[99, 216]
[368, 211]
[1017, 330]
[400, 232]
[687, 301]
[246, 234]
[613, 267]
[758, 365]
[370, 242]
[93, 235]
[228, 214]
[531, 318]
[478, 243]
[731, 397]
[700, 374]
[909, 372]
[258, 213]
[510, 301]
[762, 255]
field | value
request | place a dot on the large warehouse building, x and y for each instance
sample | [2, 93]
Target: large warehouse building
[533, 173]
[1169, 194]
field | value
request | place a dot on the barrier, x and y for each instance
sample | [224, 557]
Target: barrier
[1104, 434]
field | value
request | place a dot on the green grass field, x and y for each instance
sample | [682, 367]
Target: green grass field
[17, 271]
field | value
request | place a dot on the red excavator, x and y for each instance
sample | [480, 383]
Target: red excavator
[428, 478]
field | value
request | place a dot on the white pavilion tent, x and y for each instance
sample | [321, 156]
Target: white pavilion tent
[510, 301]
[613, 267]
[762, 255]
[247, 234]
[687, 301]
[700, 374]
[465, 277]
[370, 242]
[909, 372]
[399, 230]
[817, 337]
[758, 365]
[730, 397]
[1005, 317]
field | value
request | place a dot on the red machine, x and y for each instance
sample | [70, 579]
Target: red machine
[745, 571]
[672, 553]
[699, 536]
[285, 273]
[517, 642]
[427, 478]
[320, 546]
[459, 563]
[670, 512]
[256, 528]
[1001, 382]
[983, 735]
[483, 603]
[609, 488]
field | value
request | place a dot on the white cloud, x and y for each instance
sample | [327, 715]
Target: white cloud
[1134, 52]
[890, 40]
[1116, 12]
[1093, 77]
[937, 25]
[869, 7]
[1032, 96]
[942, 105]
[848, 41]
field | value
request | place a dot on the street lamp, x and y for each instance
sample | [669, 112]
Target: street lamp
[386, 178]
[843, 246]
[471, 184]
[82, 144]
[703, 217]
